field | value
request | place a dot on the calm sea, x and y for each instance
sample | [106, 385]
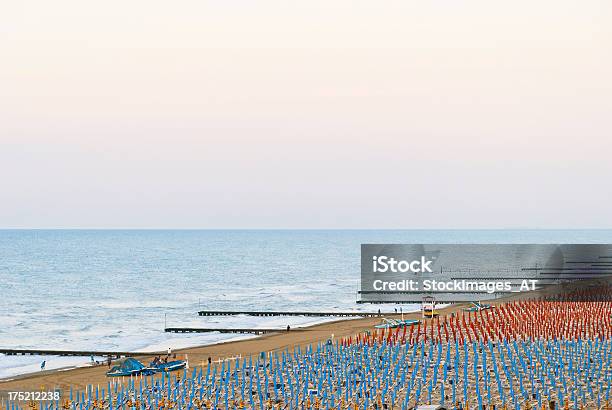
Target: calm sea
[116, 289]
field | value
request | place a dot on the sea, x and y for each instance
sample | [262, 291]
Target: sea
[118, 289]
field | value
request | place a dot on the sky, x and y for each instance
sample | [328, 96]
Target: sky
[312, 114]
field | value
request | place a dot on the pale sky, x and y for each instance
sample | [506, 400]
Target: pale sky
[311, 114]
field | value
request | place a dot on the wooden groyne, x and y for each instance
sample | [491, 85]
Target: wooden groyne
[95, 353]
[208, 330]
[281, 313]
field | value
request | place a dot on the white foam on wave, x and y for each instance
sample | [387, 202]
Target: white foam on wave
[11, 366]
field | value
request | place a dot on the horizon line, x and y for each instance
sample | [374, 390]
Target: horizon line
[297, 229]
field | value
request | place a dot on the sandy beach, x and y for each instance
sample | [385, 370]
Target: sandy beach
[79, 378]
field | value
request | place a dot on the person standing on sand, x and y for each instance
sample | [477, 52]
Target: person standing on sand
[169, 351]
[109, 360]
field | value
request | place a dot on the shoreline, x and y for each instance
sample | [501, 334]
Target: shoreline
[153, 348]
[157, 348]
[79, 378]
[149, 352]
[198, 355]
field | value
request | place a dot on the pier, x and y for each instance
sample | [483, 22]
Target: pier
[281, 313]
[208, 330]
[95, 353]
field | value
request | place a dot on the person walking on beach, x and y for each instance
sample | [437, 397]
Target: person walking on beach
[169, 351]
[42, 365]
